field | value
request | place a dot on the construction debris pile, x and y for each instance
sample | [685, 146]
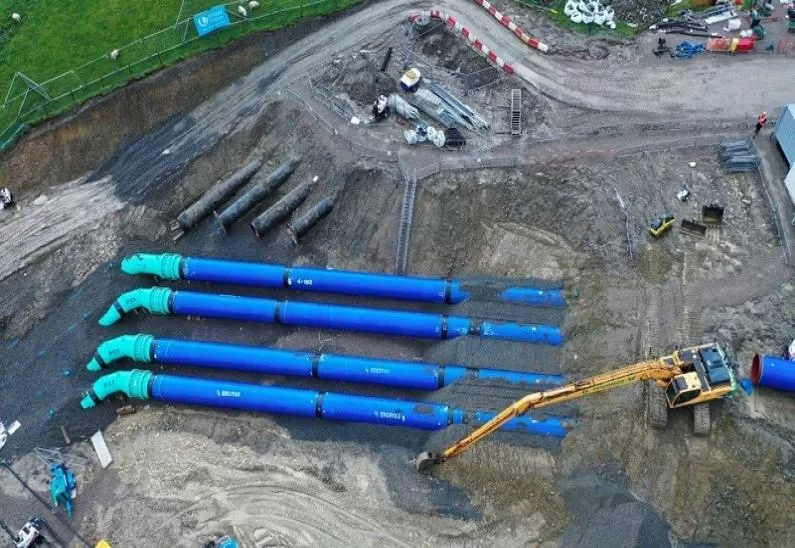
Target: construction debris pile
[738, 156]
[685, 25]
[697, 21]
[438, 104]
[717, 14]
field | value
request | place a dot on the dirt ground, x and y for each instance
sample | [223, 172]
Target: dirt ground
[572, 212]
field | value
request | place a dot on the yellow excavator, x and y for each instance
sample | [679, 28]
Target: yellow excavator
[691, 377]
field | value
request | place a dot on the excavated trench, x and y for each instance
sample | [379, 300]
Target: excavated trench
[555, 221]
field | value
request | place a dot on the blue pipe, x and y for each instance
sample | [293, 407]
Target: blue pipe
[299, 402]
[773, 372]
[160, 300]
[524, 423]
[171, 266]
[175, 267]
[534, 297]
[274, 361]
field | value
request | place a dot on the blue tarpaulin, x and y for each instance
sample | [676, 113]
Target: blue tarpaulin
[211, 20]
[686, 50]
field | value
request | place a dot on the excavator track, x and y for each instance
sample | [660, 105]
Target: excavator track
[701, 419]
[656, 406]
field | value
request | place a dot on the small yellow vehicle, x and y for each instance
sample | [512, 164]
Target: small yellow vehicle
[661, 225]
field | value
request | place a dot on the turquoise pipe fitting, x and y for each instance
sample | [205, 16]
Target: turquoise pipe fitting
[134, 347]
[135, 384]
[165, 266]
[154, 300]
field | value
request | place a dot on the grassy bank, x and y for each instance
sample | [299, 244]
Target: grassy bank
[65, 46]
[554, 10]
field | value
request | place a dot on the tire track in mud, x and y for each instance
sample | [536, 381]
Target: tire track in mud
[651, 311]
[294, 518]
[38, 229]
[689, 325]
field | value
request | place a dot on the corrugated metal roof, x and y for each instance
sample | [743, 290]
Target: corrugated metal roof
[785, 133]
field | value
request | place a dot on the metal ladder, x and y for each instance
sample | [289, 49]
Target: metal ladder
[406, 217]
[516, 111]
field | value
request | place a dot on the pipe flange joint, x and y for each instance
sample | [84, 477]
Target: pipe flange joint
[164, 265]
[158, 300]
[138, 386]
[141, 349]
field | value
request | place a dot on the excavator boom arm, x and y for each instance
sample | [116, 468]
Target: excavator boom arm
[649, 370]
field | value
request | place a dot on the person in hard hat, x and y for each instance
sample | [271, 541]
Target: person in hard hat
[760, 123]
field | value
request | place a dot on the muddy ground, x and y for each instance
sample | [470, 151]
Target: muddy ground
[183, 476]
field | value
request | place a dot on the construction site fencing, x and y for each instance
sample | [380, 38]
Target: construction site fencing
[345, 141]
[786, 251]
[460, 164]
[674, 144]
[24, 106]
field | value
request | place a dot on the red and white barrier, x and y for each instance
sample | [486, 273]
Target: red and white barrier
[466, 33]
[514, 28]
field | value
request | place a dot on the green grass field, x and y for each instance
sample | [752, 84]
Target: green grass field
[59, 36]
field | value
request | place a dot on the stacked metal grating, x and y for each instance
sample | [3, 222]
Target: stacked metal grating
[432, 105]
[440, 105]
[738, 156]
[463, 111]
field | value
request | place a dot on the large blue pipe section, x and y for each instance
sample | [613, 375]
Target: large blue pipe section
[773, 372]
[325, 316]
[433, 290]
[275, 361]
[303, 403]
[534, 297]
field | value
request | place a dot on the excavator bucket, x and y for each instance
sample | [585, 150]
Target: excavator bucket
[693, 228]
[426, 461]
[712, 214]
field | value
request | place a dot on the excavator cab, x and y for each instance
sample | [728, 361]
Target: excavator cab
[707, 374]
[683, 389]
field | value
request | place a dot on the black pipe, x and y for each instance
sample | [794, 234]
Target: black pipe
[305, 222]
[280, 209]
[255, 194]
[387, 57]
[217, 195]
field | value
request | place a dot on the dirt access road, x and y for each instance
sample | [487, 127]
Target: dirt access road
[707, 88]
